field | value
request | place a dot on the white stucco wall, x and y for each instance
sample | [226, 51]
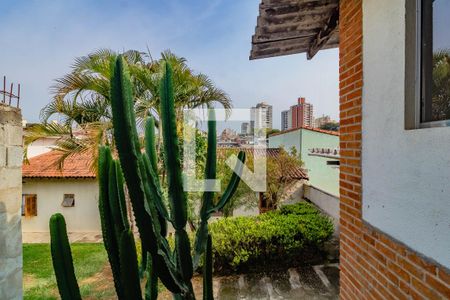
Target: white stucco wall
[83, 217]
[287, 140]
[326, 201]
[405, 173]
[40, 147]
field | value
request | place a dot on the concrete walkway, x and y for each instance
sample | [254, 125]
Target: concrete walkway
[74, 237]
[316, 282]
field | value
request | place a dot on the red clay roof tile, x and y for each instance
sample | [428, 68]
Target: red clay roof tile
[78, 166]
[45, 166]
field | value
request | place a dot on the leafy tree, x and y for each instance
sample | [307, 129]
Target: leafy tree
[195, 198]
[333, 126]
[244, 195]
[81, 98]
[277, 178]
[441, 85]
[272, 131]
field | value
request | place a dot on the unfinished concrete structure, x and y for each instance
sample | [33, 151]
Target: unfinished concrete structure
[10, 202]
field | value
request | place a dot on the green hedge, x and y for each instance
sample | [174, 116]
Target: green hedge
[241, 241]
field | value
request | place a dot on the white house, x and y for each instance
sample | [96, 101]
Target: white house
[72, 191]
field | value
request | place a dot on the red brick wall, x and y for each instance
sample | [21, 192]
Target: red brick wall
[373, 266]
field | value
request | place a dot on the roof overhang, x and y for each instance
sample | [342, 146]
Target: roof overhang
[288, 27]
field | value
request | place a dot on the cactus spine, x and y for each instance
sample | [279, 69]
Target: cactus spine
[140, 171]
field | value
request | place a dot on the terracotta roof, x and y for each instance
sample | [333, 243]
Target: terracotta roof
[307, 128]
[78, 166]
[44, 166]
[295, 173]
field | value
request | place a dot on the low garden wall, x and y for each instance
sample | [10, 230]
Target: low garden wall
[327, 202]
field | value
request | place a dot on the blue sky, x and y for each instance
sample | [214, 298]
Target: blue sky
[41, 38]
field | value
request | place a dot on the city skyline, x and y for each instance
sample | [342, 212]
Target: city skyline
[276, 122]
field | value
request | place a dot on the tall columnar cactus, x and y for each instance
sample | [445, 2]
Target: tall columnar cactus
[173, 267]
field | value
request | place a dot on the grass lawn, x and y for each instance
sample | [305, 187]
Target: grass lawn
[91, 267]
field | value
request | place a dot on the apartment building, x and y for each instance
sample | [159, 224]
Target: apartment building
[286, 120]
[261, 116]
[302, 114]
[298, 116]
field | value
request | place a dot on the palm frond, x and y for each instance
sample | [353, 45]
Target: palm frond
[95, 62]
[81, 97]
[40, 131]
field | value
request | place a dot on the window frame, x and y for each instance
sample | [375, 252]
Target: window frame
[415, 87]
[24, 205]
[68, 196]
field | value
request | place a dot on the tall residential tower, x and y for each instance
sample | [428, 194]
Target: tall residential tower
[261, 116]
[286, 120]
[299, 115]
[302, 114]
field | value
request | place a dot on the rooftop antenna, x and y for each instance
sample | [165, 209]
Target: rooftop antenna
[10, 96]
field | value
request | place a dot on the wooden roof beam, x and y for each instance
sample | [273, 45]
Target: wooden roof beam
[324, 34]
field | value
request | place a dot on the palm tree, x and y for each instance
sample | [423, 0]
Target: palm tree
[190, 90]
[81, 98]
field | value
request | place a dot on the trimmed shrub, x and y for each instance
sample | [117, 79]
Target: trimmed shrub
[280, 234]
[302, 208]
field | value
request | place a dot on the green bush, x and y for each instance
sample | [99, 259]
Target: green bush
[241, 241]
[303, 208]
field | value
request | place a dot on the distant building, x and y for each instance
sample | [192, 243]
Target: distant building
[321, 175]
[261, 116]
[286, 120]
[245, 128]
[319, 122]
[302, 114]
[298, 116]
[228, 135]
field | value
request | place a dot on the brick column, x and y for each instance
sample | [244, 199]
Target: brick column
[10, 203]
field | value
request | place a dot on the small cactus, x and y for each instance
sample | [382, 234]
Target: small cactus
[62, 259]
